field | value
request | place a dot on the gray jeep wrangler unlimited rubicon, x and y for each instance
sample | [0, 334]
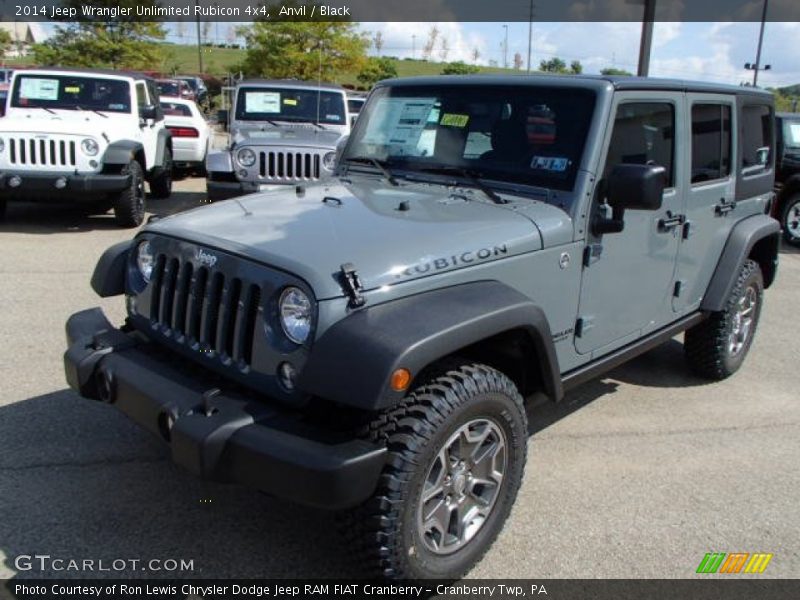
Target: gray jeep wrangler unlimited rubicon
[368, 343]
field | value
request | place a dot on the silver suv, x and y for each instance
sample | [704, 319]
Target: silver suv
[374, 344]
[281, 132]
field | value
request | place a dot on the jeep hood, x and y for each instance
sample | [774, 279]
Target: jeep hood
[287, 135]
[67, 122]
[389, 234]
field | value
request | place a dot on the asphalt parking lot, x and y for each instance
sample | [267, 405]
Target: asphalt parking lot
[638, 474]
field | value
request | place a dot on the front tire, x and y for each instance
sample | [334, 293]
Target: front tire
[790, 220]
[3, 209]
[161, 186]
[717, 347]
[457, 448]
[129, 203]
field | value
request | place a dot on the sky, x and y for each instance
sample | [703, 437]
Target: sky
[701, 51]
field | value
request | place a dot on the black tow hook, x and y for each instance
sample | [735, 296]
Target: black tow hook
[208, 395]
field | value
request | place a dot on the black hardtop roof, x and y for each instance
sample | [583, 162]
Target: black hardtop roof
[593, 81]
[87, 71]
[293, 83]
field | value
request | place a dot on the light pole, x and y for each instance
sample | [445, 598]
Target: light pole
[530, 35]
[199, 45]
[413, 46]
[505, 48]
[756, 67]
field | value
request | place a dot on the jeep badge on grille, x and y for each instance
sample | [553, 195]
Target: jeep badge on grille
[205, 258]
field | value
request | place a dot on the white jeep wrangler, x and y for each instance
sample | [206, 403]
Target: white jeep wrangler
[86, 136]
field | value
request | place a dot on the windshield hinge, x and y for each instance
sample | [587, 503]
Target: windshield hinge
[351, 284]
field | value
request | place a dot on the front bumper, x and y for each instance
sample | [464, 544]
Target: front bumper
[228, 438]
[58, 184]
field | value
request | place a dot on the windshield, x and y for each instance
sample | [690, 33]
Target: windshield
[791, 133]
[284, 104]
[520, 134]
[354, 105]
[71, 93]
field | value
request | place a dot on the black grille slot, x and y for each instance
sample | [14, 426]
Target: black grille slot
[204, 309]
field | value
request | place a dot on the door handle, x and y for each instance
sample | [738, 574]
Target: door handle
[670, 222]
[723, 207]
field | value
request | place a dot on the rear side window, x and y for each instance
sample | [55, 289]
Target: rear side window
[711, 142]
[757, 141]
[644, 134]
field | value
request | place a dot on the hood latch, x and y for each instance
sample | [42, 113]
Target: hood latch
[351, 284]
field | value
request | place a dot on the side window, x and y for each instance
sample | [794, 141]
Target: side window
[756, 138]
[644, 133]
[141, 94]
[711, 142]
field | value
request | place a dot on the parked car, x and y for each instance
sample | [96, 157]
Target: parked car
[787, 178]
[174, 88]
[84, 136]
[191, 135]
[373, 344]
[355, 102]
[198, 86]
[282, 132]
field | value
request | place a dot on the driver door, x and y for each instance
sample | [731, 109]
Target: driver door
[148, 132]
[628, 277]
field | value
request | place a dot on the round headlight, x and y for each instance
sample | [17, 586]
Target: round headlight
[295, 312]
[145, 260]
[90, 147]
[329, 161]
[246, 157]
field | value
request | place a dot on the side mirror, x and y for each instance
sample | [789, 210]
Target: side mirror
[148, 112]
[634, 187]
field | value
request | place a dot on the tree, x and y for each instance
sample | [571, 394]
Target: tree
[375, 70]
[377, 41]
[575, 67]
[5, 42]
[517, 61]
[282, 48]
[459, 68]
[554, 65]
[615, 71]
[427, 49]
[123, 42]
[476, 54]
[444, 49]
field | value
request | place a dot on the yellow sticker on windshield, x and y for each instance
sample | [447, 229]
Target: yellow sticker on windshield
[290, 101]
[72, 89]
[454, 120]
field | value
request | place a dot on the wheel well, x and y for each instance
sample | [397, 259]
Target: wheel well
[513, 353]
[789, 189]
[765, 253]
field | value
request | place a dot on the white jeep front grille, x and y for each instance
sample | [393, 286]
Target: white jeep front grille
[41, 152]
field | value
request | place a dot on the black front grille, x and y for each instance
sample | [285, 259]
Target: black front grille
[204, 309]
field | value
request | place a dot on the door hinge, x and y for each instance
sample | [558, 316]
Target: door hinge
[670, 222]
[688, 230]
[676, 292]
[591, 254]
[582, 325]
[351, 285]
[723, 208]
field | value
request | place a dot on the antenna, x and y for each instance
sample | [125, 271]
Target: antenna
[319, 82]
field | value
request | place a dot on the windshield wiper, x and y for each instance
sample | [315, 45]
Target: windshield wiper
[470, 175]
[380, 165]
[52, 112]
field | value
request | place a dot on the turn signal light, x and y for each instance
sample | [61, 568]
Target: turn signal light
[184, 132]
[401, 379]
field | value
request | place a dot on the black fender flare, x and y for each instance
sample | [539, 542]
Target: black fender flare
[122, 152]
[353, 360]
[759, 233]
[108, 278]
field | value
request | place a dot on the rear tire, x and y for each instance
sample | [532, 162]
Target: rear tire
[457, 450]
[161, 186]
[717, 347]
[129, 203]
[790, 220]
[3, 210]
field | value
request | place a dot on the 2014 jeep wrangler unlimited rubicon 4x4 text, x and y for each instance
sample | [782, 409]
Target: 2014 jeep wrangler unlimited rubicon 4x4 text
[88, 137]
[368, 343]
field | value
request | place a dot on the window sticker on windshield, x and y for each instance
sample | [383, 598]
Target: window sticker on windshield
[262, 102]
[38, 89]
[290, 101]
[550, 163]
[333, 117]
[72, 89]
[454, 120]
[399, 122]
